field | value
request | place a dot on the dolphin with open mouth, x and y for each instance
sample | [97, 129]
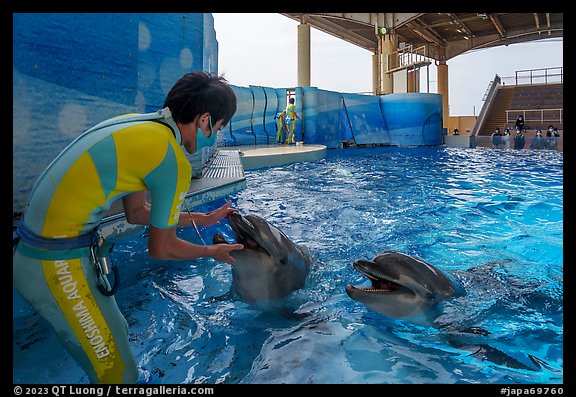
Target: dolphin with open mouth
[403, 287]
[270, 266]
[407, 288]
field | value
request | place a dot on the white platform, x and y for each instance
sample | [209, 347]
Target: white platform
[259, 156]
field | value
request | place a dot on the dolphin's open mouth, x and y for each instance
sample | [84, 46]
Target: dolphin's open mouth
[380, 283]
[243, 231]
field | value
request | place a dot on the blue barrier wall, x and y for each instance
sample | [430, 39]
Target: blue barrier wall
[271, 110]
[241, 122]
[366, 120]
[323, 119]
[329, 117]
[258, 116]
[413, 119]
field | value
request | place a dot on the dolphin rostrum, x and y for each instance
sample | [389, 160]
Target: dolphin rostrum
[270, 266]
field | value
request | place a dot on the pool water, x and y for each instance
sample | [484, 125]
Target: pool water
[491, 217]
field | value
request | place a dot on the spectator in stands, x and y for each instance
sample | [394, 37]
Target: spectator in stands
[551, 137]
[519, 125]
[496, 138]
[456, 132]
[519, 140]
[537, 141]
[506, 139]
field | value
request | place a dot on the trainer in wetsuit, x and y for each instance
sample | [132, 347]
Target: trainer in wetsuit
[280, 125]
[292, 116]
[123, 157]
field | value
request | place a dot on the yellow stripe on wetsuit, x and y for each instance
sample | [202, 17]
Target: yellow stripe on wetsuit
[72, 208]
[70, 289]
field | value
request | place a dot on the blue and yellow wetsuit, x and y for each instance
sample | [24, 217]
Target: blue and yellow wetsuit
[280, 124]
[68, 200]
[291, 111]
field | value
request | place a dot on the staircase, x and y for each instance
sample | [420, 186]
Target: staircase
[497, 114]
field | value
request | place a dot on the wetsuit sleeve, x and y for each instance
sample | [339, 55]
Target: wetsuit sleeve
[168, 184]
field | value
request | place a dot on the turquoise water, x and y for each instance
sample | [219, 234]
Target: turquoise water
[493, 218]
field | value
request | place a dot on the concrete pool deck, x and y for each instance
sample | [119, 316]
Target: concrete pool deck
[259, 156]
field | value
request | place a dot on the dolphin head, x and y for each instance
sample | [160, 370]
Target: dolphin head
[270, 266]
[402, 286]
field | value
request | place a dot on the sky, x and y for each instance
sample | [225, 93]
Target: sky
[261, 49]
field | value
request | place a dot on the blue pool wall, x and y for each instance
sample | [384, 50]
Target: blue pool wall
[71, 71]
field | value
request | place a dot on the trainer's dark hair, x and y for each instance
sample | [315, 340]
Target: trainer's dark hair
[199, 92]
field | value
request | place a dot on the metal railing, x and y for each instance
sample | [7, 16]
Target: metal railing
[407, 57]
[536, 115]
[536, 76]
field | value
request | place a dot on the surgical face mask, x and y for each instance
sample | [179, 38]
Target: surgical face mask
[202, 140]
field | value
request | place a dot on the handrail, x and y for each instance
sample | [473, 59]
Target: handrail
[531, 77]
[488, 99]
[406, 57]
[555, 111]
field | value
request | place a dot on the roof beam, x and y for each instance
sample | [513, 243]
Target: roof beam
[496, 22]
[329, 27]
[427, 33]
[537, 20]
[461, 24]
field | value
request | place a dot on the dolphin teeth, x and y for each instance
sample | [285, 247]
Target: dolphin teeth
[375, 289]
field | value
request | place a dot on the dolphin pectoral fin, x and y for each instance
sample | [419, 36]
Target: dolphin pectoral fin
[468, 330]
[542, 364]
[486, 352]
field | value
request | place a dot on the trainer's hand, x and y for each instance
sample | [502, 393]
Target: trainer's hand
[221, 252]
[214, 217]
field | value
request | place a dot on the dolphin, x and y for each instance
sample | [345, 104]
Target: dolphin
[270, 266]
[404, 287]
[410, 289]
